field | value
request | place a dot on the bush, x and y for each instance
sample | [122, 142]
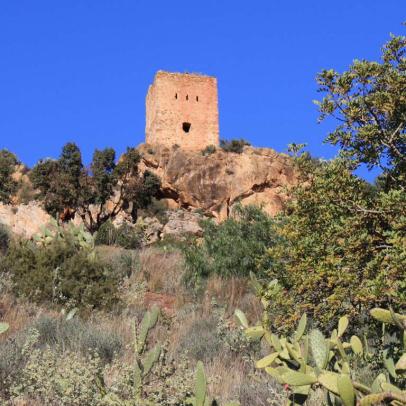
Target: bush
[52, 378]
[12, 361]
[61, 272]
[124, 236]
[156, 208]
[4, 238]
[78, 336]
[8, 186]
[236, 146]
[210, 149]
[237, 246]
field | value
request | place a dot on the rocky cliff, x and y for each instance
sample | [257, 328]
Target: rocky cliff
[212, 184]
[216, 182]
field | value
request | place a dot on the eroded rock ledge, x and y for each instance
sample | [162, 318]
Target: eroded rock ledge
[214, 183]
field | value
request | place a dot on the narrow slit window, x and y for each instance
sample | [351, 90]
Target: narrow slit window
[186, 127]
[197, 98]
[176, 95]
[187, 97]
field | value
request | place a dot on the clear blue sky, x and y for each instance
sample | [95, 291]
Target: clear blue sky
[78, 70]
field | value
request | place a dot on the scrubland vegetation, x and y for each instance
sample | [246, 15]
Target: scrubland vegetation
[307, 307]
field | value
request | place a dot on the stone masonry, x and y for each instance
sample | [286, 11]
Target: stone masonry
[182, 109]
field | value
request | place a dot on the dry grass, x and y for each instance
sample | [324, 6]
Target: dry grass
[225, 378]
[162, 270]
[233, 293]
[158, 271]
[19, 313]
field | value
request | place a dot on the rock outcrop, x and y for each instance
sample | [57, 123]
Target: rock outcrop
[216, 182]
[24, 219]
[191, 183]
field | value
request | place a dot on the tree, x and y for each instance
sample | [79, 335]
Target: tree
[97, 193]
[341, 247]
[369, 100]
[8, 186]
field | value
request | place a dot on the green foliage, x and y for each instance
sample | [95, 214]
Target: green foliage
[124, 236]
[8, 186]
[62, 269]
[308, 360]
[4, 327]
[66, 185]
[236, 146]
[340, 248]
[234, 247]
[210, 149]
[369, 99]
[4, 238]
[50, 377]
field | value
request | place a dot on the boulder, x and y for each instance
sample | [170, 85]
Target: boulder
[152, 229]
[181, 223]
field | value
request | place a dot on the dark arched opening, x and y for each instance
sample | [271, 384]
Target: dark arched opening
[186, 127]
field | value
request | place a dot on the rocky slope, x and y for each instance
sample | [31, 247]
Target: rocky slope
[216, 182]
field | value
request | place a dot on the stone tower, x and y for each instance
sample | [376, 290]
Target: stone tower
[182, 109]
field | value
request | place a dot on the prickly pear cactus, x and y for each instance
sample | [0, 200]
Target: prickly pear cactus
[308, 360]
[4, 327]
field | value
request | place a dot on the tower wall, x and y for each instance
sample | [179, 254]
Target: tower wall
[182, 109]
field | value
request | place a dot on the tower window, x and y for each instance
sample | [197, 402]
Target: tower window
[186, 127]
[187, 97]
[176, 95]
[197, 98]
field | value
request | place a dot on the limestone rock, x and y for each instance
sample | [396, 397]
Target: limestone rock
[216, 182]
[24, 219]
[181, 223]
[152, 229]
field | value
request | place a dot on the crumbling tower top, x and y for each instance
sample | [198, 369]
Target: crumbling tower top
[182, 109]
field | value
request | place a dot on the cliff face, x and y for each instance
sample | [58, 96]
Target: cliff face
[213, 184]
[216, 182]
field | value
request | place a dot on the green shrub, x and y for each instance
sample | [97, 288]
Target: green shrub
[4, 238]
[12, 361]
[236, 146]
[106, 234]
[52, 378]
[210, 149]
[8, 186]
[62, 272]
[124, 236]
[129, 237]
[236, 246]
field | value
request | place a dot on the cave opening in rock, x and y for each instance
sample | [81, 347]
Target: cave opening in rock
[186, 127]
